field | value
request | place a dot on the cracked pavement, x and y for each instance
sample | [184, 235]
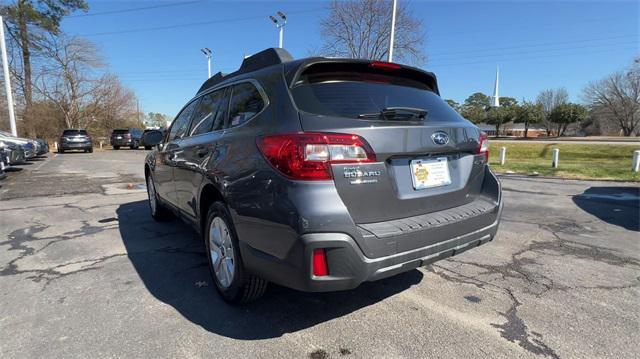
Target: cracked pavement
[85, 272]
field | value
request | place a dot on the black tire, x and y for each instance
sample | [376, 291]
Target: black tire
[244, 287]
[85, 150]
[160, 213]
[116, 147]
[147, 147]
[91, 150]
[60, 150]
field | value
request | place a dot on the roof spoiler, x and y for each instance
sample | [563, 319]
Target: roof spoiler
[265, 58]
[268, 57]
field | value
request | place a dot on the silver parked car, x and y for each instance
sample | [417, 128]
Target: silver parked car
[29, 146]
[14, 153]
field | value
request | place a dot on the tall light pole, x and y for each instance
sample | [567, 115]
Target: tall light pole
[7, 80]
[207, 53]
[393, 31]
[280, 25]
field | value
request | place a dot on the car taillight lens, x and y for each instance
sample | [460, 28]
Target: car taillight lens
[309, 155]
[320, 267]
[483, 146]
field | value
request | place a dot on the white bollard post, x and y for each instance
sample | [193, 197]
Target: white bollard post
[555, 154]
[100, 144]
[635, 164]
[503, 155]
[55, 145]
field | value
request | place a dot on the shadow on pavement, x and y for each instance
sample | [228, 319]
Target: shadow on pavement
[619, 206]
[13, 168]
[169, 258]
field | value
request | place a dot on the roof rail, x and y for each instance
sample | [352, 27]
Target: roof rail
[264, 58]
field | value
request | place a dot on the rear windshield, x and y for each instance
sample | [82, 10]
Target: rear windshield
[120, 132]
[352, 95]
[74, 132]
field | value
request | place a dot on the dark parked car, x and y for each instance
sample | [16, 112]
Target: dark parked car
[4, 162]
[43, 147]
[319, 174]
[75, 139]
[126, 137]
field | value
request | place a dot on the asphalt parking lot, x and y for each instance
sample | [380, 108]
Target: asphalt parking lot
[85, 272]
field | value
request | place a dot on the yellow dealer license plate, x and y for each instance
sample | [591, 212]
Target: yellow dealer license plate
[430, 173]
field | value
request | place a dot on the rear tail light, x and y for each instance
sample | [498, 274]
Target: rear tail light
[309, 155]
[483, 146]
[319, 262]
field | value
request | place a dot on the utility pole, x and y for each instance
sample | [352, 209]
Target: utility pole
[7, 80]
[207, 53]
[393, 31]
[280, 26]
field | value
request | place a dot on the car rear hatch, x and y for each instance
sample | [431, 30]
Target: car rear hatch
[119, 136]
[75, 136]
[427, 156]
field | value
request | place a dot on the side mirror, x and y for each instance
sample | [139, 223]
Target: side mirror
[152, 138]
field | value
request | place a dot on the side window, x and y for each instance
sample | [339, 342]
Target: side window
[221, 113]
[205, 116]
[180, 125]
[246, 102]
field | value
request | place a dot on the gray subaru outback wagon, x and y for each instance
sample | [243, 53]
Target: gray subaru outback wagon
[319, 174]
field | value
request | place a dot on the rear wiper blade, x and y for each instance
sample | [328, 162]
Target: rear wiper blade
[397, 113]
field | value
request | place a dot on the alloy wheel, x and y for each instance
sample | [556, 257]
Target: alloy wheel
[221, 252]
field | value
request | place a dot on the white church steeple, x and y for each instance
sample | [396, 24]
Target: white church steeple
[495, 99]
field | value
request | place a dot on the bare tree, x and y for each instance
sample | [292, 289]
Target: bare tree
[550, 99]
[112, 105]
[26, 20]
[83, 97]
[66, 80]
[617, 98]
[361, 29]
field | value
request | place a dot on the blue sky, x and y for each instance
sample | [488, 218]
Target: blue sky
[537, 44]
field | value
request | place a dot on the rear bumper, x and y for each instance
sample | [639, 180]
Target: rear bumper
[76, 145]
[121, 142]
[348, 266]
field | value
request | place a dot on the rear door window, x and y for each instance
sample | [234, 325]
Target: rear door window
[246, 102]
[207, 117]
[180, 125]
[120, 132]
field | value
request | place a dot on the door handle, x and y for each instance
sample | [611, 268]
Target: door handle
[201, 152]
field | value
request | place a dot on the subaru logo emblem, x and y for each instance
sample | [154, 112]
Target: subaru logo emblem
[440, 138]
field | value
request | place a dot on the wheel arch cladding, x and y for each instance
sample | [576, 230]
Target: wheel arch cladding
[208, 196]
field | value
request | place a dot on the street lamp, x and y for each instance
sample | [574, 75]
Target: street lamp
[393, 31]
[280, 25]
[207, 53]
